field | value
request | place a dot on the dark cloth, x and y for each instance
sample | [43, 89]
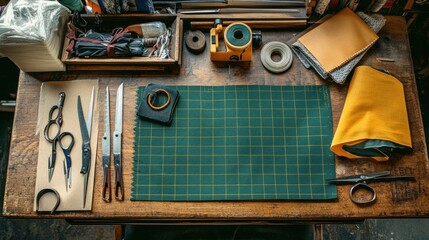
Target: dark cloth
[94, 44]
[236, 232]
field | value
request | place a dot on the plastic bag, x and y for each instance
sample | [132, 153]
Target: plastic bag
[29, 21]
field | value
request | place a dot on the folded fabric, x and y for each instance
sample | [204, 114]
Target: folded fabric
[94, 44]
[335, 46]
[369, 127]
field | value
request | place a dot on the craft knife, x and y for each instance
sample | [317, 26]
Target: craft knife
[117, 145]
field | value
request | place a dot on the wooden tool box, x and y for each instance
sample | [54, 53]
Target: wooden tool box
[110, 22]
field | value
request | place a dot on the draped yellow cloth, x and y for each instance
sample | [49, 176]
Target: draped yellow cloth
[374, 109]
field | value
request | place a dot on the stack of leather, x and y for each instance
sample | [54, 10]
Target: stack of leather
[334, 47]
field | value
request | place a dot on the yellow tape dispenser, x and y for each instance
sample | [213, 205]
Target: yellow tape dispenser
[238, 42]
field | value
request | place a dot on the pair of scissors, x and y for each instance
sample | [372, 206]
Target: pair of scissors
[53, 135]
[85, 128]
[117, 147]
[361, 184]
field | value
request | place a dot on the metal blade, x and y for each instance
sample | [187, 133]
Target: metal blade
[358, 178]
[375, 175]
[91, 107]
[107, 194]
[208, 11]
[82, 123]
[50, 169]
[85, 187]
[106, 135]
[118, 113]
[117, 138]
[65, 174]
[393, 178]
[117, 144]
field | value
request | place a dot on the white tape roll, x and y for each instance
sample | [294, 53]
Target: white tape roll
[282, 50]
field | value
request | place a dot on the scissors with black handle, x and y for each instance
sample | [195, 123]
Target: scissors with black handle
[361, 184]
[54, 126]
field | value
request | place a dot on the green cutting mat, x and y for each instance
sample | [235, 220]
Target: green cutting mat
[237, 143]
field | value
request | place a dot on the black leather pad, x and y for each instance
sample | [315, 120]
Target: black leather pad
[163, 116]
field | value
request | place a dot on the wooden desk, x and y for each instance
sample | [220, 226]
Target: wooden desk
[395, 199]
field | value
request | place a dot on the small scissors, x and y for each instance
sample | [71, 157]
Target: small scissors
[54, 126]
[67, 160]
[55, 119]
[360, 183]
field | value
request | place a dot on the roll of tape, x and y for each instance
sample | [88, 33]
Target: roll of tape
[238, 35]
[282, 50]
[195, 41]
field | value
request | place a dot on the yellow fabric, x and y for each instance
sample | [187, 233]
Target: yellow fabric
[374, 109]
[344, 36]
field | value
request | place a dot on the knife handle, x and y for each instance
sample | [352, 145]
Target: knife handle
[106, 184]
[119, 186]
[86, 158]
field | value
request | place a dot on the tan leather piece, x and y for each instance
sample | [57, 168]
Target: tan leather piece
[339, 39]
[71, 200]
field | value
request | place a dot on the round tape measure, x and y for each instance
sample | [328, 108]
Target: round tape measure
[282, 50]
[238, 35]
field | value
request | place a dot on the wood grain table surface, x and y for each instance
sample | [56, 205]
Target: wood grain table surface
[395, 199]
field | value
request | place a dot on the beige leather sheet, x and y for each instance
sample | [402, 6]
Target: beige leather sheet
[339, 39]
[71, 200]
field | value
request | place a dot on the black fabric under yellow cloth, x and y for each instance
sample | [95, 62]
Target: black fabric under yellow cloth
[374, 120]
[237, 143]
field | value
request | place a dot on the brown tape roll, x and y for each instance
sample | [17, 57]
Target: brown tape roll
[195, 41]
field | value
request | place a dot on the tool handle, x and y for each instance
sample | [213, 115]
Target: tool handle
[151, 29]
[370, 193]
[106, 183]
[119, 186]
[86, 157]
[61, 99]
